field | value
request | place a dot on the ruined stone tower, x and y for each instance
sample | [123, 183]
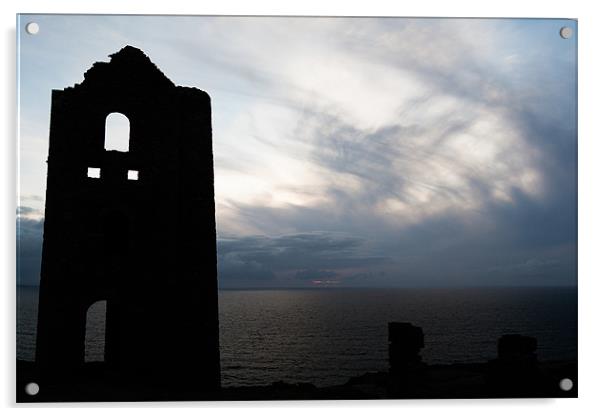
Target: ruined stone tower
[134, 228]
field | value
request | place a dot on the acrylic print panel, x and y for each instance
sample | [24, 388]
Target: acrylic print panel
[259, 208]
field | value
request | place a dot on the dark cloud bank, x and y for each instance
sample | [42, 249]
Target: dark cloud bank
[533, 247]
[295, 259]
[287, 260]
[29, 248]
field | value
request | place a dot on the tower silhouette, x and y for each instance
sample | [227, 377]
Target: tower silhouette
[134, 227]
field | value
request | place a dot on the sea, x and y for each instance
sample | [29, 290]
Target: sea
[324, 336]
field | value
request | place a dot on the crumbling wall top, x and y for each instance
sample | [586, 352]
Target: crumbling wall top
[128, 68]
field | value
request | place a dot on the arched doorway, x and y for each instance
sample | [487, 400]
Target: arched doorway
[95, 340]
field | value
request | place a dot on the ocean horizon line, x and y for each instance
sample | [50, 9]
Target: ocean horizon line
[383, 287]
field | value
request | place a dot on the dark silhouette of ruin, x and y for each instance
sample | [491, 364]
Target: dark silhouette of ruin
[133, 228]
[405, 343]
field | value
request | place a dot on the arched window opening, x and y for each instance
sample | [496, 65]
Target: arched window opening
[117, 133]
[96, 318]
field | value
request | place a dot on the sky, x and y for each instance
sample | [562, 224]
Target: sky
[350, 152]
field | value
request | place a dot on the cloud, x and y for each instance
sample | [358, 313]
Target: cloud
[453, 159]
[533, 267]
[253, 261]
[287, 260]
[34, 198]
[422, 153]
[463, 248]
[29, 249]
[25, 211]
[440, 123]
[316, 275]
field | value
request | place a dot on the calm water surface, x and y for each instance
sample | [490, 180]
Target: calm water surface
[325, 336]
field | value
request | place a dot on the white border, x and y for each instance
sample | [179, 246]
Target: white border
[590, 206]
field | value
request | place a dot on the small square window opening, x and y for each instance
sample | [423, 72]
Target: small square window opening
[94, 173]
[132, 175]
